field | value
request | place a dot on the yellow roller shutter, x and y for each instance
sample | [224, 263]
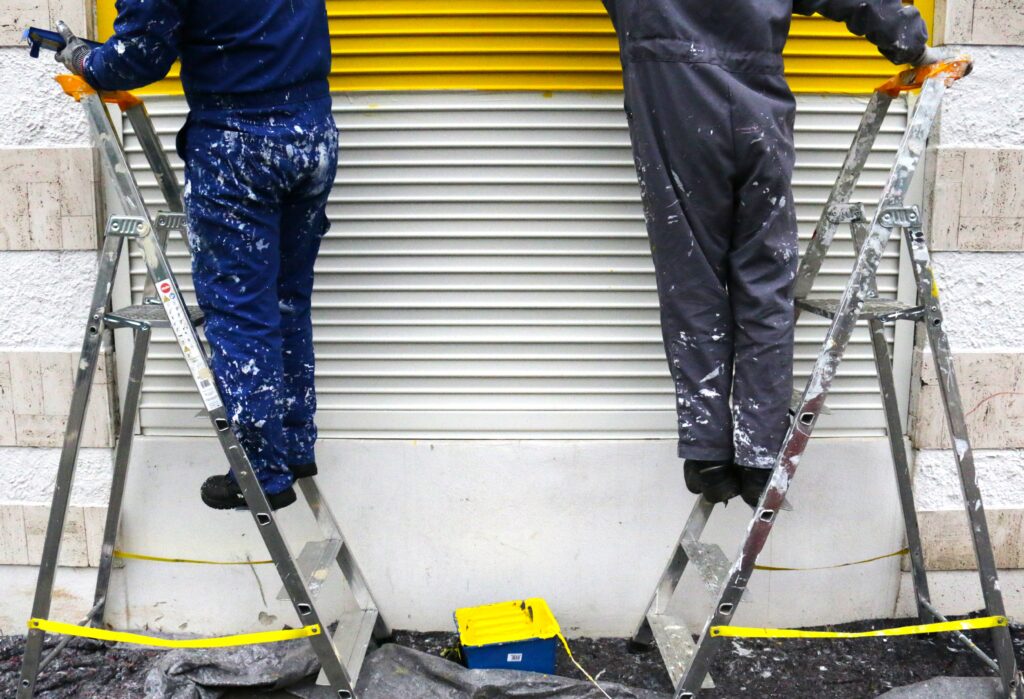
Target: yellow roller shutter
[532, 45]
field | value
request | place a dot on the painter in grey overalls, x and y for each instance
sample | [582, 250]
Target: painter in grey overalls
[711, 119]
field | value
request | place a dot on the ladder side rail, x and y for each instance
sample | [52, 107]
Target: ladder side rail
[901, 467]
[964, 455]
[898, 448]
[842, 191]
[112, 157]
[162, 276]
[90, 357]
[149, 140]
[822, 376]
[673, 572]
[122, 458]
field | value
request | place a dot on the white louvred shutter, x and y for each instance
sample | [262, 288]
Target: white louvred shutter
[488, 274]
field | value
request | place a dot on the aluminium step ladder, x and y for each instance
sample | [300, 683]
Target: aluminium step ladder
[688, 662]
[341, 656]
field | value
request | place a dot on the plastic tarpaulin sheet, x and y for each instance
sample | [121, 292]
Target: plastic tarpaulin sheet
[388, 673]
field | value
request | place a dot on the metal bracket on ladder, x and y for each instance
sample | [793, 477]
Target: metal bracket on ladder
[341, 656]
[688, 661]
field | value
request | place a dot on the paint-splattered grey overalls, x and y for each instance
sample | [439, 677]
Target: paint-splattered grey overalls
[711, 118]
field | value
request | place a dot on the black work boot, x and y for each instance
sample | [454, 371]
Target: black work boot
[716, 480]
[691, 475]
[753, 482]
[304, 470]
[223, 493]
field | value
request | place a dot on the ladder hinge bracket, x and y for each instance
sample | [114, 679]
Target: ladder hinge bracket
[127, 226]
[901, 217]
[845, 213]
[169, 221]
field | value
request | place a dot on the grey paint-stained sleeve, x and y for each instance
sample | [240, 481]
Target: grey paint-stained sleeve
[898, 30]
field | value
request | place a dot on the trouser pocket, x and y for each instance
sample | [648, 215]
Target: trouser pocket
[181, 140]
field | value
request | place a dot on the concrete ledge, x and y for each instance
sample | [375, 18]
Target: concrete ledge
[35, 398]
[48, 199]
[993, 22]
[992, 388]
[976, 201]
[947, 542]
[23, 531]
[959, 592]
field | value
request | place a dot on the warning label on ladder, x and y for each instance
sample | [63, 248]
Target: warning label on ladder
[185, 333]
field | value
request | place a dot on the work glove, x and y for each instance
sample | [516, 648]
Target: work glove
[929, 56]
[75, 51]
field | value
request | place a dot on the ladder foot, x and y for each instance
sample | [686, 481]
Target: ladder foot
[635, 647]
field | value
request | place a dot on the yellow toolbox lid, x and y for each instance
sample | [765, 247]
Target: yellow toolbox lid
[506, 622]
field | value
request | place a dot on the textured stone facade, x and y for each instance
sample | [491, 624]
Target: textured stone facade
[987, 22]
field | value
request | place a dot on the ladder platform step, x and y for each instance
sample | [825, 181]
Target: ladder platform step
[151, 314]
[885, 310]
[315, 564]
[352, 640]
[675, 643]
[709, 560]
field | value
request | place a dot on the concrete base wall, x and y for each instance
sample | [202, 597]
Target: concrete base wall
[441, 525]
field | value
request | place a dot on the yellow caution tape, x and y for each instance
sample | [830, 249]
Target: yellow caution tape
[124, 555]
[943, 627]
[246, 639]
[894, 554]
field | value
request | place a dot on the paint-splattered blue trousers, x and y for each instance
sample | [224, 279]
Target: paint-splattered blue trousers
[256, 188]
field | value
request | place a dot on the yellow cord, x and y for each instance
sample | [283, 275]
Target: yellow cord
[579, 667]
[902, 552]
[124, 555]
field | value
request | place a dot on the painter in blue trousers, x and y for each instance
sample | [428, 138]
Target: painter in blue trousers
[260, 148]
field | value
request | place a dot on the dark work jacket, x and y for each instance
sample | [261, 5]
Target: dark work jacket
[748, 36]
[234, 53]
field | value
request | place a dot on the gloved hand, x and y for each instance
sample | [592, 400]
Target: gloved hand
[929, 56]
[75, 51]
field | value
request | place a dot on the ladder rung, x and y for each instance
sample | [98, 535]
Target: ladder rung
[709, 560]
[352, 640]
[151, 314]
[315, 563]
[675, 642]
[885, 310]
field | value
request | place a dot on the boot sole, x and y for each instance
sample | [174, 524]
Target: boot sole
[277, 501]
[304, 471]
[724, 488]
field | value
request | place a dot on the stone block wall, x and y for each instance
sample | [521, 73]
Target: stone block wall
[48, 243]
[974, 196]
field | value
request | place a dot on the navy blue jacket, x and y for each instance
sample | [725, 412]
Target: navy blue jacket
[748, 36]
[233, 52]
